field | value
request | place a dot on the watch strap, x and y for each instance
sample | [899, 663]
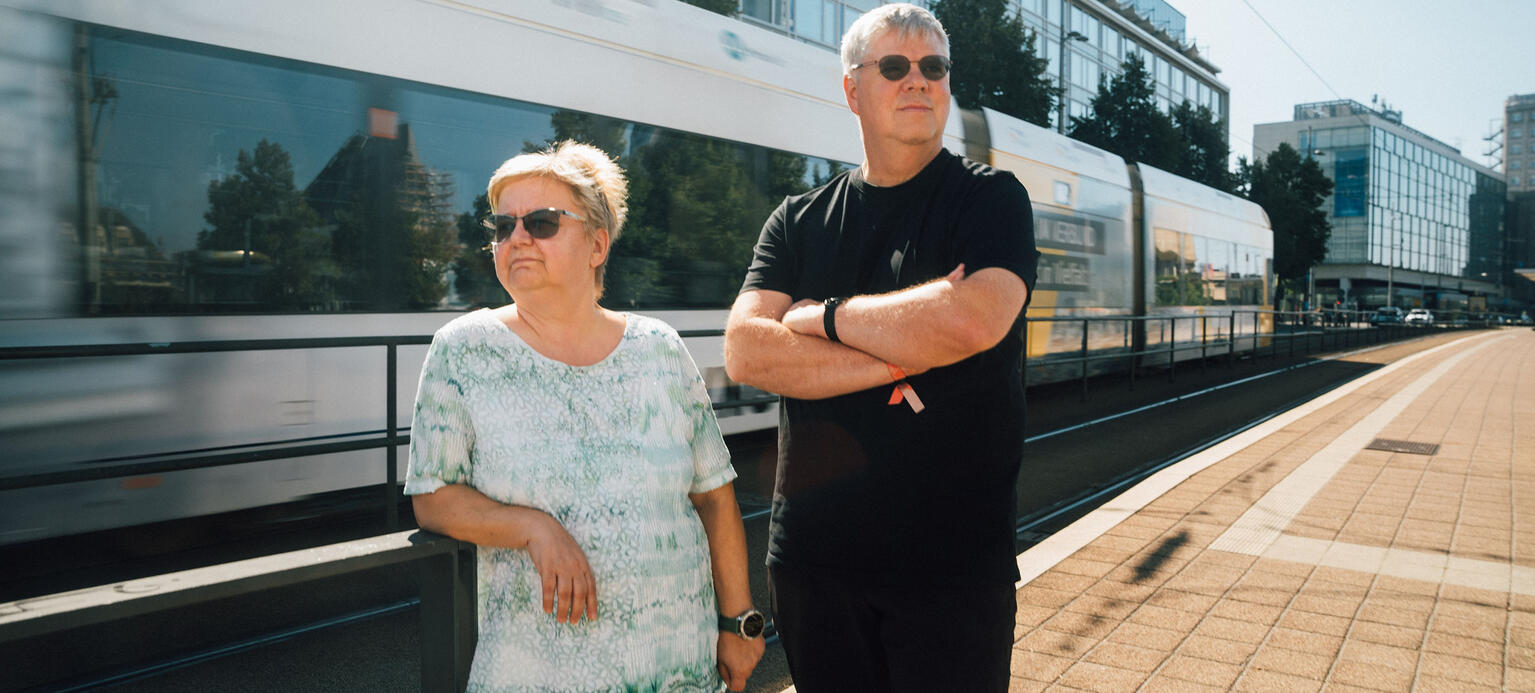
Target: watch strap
[737, 624]
[829, 317]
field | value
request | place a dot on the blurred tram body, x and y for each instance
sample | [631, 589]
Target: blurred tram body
[195, 171]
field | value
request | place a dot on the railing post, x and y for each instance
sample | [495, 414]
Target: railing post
[1084, 359]
[1172, 348]
[449, 629]
[1129, 326]
[1204, 341]
[1231, 339]
[391, 455]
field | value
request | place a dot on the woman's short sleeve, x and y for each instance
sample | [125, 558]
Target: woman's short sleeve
[441, 433]
[711, 459]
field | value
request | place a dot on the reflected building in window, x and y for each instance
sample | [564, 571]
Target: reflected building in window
[1098, 36]
[1414, 222]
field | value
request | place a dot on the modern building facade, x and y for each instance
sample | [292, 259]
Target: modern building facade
[1519, 222]
[1519, 142]
[1098, 36]
[1414, 223]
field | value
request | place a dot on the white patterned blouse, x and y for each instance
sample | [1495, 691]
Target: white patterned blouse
[612, 451]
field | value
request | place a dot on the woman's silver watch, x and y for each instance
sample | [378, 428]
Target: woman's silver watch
[749, 624]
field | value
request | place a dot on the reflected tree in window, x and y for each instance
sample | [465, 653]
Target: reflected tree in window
[264, 246]
[696, 206]
[474, 269]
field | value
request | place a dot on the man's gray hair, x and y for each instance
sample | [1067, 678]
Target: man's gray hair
[902, 18]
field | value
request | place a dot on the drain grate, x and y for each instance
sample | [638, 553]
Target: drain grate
[1406, 446]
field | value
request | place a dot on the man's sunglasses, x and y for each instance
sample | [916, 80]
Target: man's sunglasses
[539, 223]
[895, 67]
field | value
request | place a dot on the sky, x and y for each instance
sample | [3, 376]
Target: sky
[1448, 66]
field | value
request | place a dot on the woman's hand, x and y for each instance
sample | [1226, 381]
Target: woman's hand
[570, 590]
[738, 656]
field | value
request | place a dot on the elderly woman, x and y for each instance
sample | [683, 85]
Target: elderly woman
[577, 448]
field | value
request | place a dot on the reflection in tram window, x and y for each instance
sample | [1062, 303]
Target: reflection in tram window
[228, 182]
[1169, 267]
[1193, 270]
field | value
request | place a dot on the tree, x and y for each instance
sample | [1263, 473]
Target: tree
[474, 271]
[1291, 190]
[1204, 148]
[1125, 120]
[696, 205]
[284, 261]
[995, 64]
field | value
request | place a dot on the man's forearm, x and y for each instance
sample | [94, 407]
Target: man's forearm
[763, 353]
[925, 326]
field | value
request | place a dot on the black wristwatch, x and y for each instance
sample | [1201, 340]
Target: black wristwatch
[829, 317]
[748, 625]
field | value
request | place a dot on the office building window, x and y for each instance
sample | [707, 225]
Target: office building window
[1514, 149]
[1516, 117]
[1514, 180]
[1516, 132]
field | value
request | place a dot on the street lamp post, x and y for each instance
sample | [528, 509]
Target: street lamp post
[1060, 117]
[1391, 263]
[1312, 152]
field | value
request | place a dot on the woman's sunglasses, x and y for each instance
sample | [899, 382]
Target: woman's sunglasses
[539, 223]
[895, 67]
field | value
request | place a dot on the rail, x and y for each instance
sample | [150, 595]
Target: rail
[447, 605]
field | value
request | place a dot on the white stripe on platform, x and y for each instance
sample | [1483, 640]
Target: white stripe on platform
[1412, 565]
[1060, 545]
[1257, 528]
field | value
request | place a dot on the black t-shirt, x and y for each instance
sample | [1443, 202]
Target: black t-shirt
[875, 489]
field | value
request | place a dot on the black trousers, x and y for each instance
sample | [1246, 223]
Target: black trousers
[842, 636]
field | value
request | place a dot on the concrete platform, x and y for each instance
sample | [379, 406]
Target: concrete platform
[1295, 557]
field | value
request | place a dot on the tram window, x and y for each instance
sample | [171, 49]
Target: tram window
[1215, 271]
[231, 182]
[1169, 263]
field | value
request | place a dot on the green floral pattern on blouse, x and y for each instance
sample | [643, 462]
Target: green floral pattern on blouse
[612, 451]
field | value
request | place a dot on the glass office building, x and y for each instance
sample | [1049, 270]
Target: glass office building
[1519, 142]
[1408, 212]
[1098, 35]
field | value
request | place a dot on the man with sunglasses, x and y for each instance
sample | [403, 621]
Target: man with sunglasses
[882, 307]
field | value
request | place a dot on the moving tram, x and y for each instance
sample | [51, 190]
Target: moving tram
[187, 171]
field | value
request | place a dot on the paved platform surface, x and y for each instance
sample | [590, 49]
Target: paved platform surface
[1293, 557]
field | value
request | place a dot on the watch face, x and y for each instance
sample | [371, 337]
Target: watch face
[752, 624]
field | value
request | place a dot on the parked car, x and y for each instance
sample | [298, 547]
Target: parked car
[1419, 316]
[1386, 315]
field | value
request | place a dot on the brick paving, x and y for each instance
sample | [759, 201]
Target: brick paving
[1300, 561]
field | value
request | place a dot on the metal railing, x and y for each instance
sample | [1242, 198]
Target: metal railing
[390, 437]
[1155, 341]
[447, 598]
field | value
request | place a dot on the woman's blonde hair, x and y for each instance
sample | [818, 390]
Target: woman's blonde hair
[598, 184]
